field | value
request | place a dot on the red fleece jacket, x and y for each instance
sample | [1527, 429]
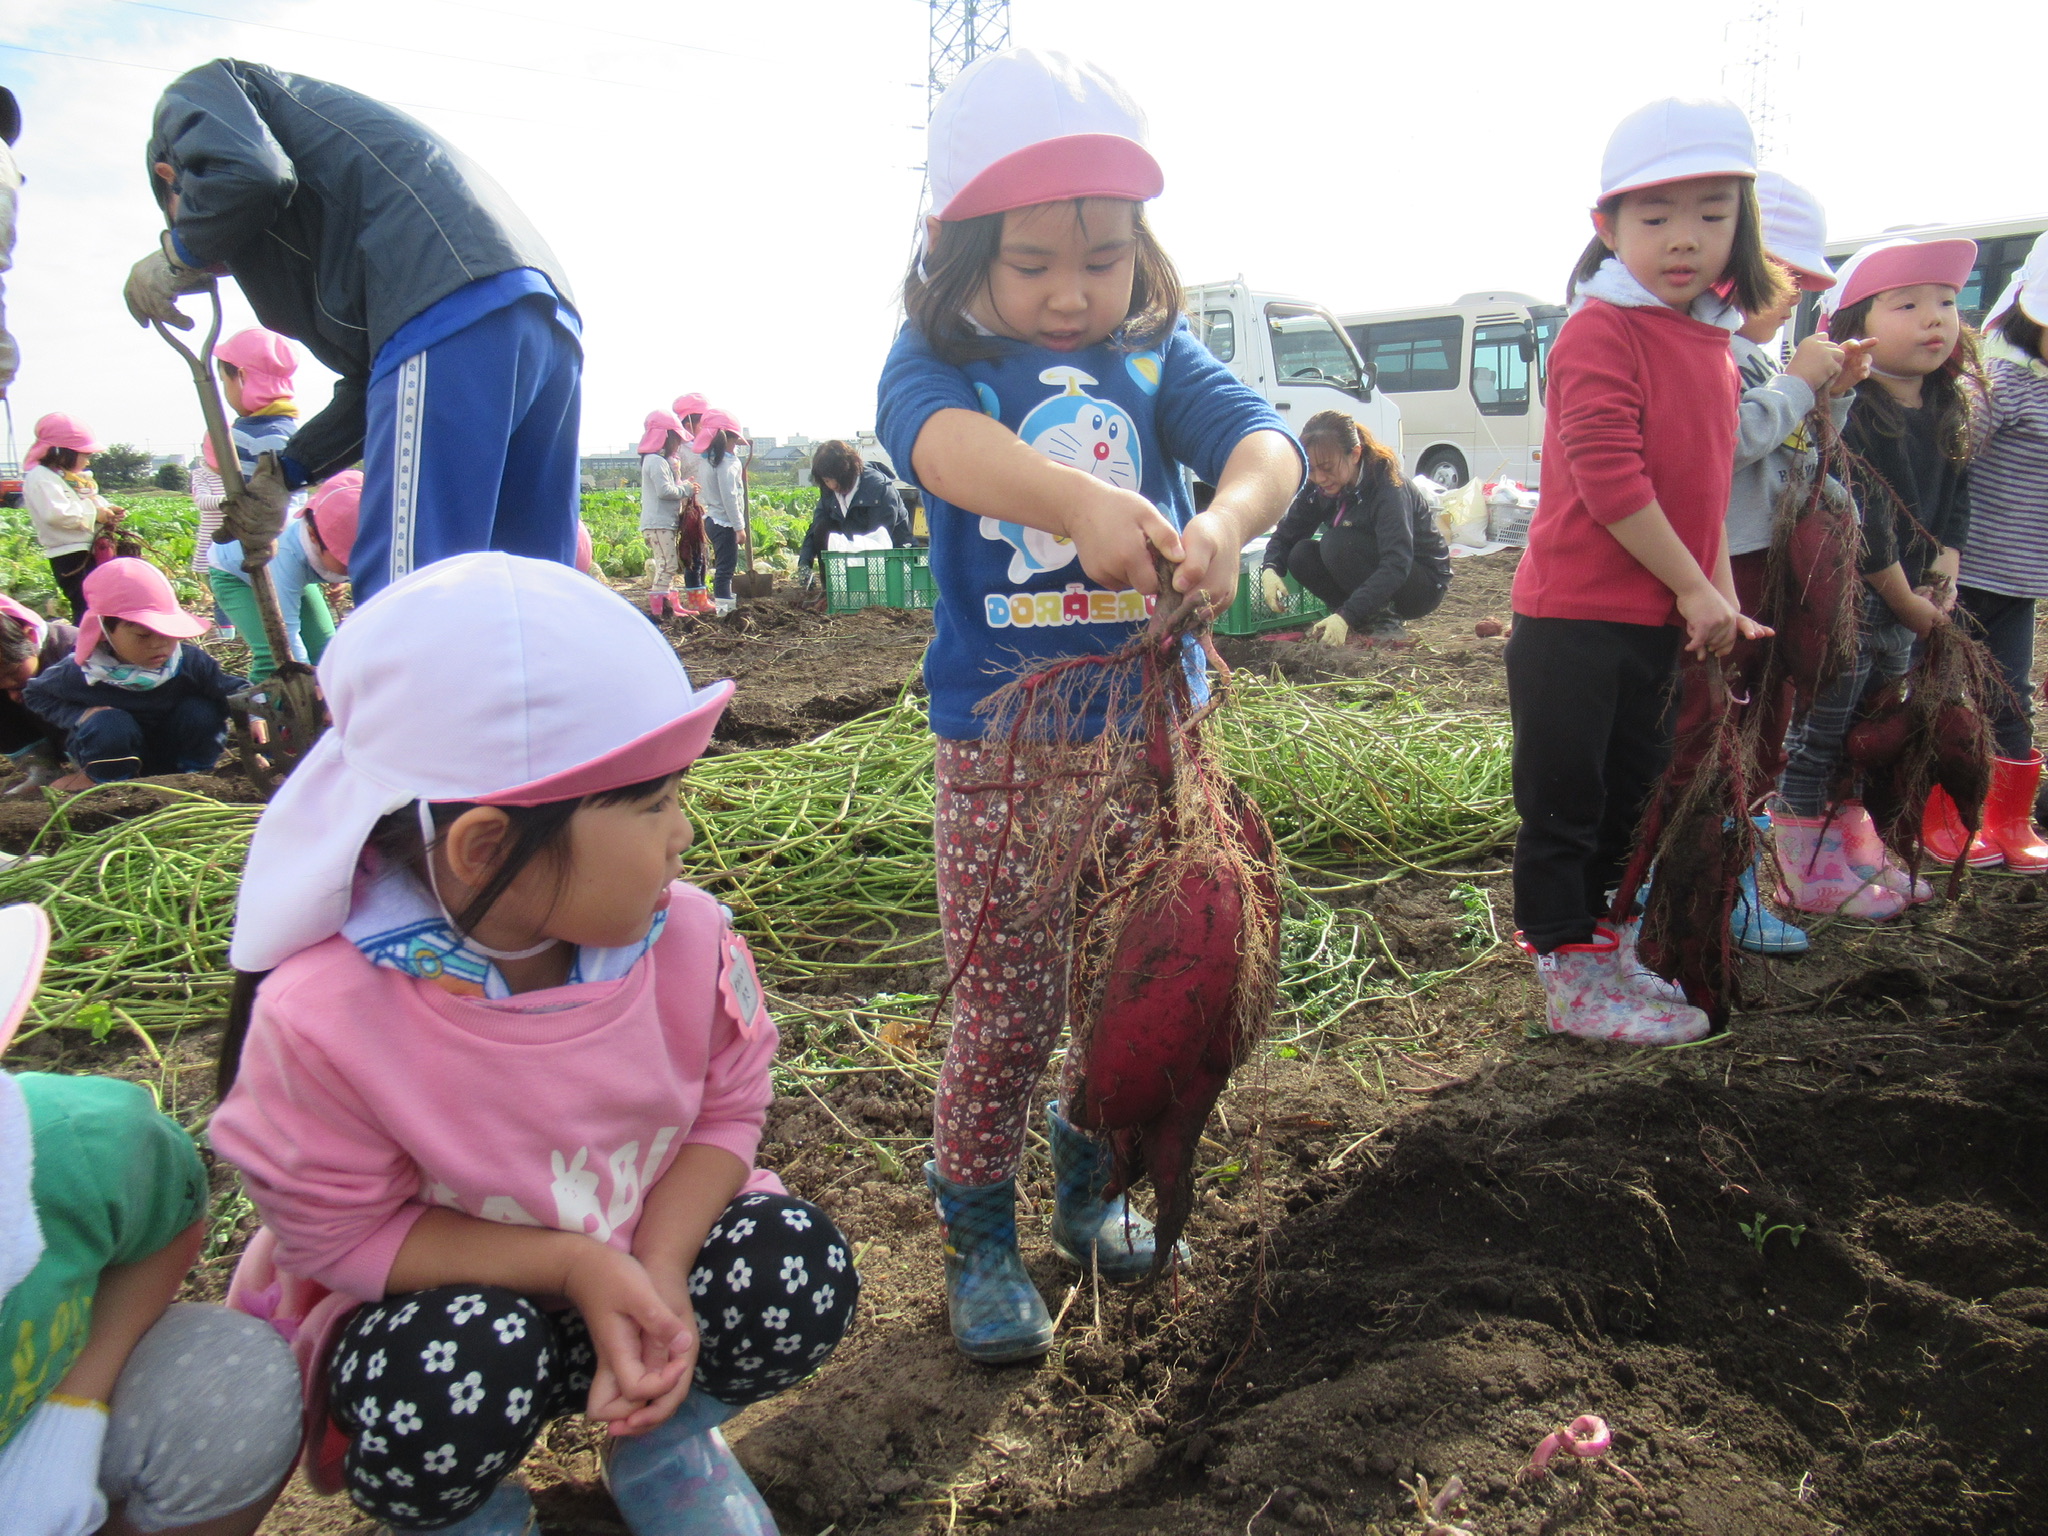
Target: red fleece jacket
[1642, 407]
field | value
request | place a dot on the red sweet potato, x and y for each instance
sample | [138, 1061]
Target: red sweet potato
[1171, 1025]
[1962, 760]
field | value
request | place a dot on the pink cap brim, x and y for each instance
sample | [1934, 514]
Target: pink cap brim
[664, 750]
[1058, 171]
[177, 624]
[1947, 262]
[709, 431]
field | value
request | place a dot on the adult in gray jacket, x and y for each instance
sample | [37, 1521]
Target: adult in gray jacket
[406, 270]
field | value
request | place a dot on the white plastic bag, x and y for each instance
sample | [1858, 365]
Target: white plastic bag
[1462, 516]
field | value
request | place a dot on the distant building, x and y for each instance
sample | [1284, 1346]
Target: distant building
[610, 471]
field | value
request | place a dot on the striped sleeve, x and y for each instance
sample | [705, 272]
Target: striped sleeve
[2007, 551]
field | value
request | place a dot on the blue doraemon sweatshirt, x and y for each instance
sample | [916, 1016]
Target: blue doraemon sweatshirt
[1011, 598]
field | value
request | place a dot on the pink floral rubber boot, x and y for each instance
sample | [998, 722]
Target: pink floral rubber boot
[1587, 993]
[1864, 847]
[1646, 981]
[1816, 875]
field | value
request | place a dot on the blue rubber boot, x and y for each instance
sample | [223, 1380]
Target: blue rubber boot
[1089, 1231]
[507, 1512]
[996, 1312]
[680, 1478]
[1756, 927]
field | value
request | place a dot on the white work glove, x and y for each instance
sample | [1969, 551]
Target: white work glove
[1273, 588]
[155, 282]
[1331, 631]
[50, 1471]
[255, 514]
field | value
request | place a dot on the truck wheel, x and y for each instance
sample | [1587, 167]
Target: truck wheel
[1446, 466]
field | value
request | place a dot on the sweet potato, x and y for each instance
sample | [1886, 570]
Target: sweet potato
[1170, 1027]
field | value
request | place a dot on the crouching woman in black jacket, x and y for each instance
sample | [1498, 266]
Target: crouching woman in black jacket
[1379, 558]
[856, 502]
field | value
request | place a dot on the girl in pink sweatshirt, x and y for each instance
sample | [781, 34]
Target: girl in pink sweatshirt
[494, 1078]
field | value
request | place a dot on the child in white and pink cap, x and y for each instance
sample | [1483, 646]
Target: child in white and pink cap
[1909, 433]
[1046, 395]
[494, 1076]
[135, 696]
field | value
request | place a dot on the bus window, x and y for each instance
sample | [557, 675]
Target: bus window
[1219, 334]
[1307, 349]
[1546, 320]
[1501, 355]
[1408, 356]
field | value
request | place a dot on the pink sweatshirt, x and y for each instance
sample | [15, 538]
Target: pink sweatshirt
[367, 1095]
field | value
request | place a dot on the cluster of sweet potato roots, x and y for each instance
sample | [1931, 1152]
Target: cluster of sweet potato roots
[1730, 717]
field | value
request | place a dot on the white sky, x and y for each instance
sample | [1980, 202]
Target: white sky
[736, 221]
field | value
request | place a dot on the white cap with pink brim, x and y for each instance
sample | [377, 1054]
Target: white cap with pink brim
[1679, 138]
[1024, 126]
[485, 678]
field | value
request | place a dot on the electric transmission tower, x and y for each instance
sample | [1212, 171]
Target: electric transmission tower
[962, 31]
[1761, 38]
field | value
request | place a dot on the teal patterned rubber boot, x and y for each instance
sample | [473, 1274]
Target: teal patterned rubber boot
[1756, 927]
[680, 1478]
[996, 1312]
[1088, 1230]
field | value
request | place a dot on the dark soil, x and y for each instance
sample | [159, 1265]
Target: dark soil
[1422, 1240]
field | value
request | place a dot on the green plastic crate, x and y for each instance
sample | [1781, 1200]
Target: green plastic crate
[877, 578]
[1249, 615]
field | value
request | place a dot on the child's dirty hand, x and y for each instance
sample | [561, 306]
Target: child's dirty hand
[1116, 532]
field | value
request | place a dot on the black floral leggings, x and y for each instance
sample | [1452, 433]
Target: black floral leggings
[444, 1391]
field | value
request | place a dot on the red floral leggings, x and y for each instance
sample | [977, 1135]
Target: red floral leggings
[1010, 1003]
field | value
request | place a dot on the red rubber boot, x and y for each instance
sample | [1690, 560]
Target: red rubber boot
[2008, 814]
[1942, 834]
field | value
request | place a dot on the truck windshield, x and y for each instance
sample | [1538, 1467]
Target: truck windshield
[1309, 349]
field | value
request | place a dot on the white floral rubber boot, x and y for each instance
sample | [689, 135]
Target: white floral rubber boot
[1646, 981]
[1864, 847]
[1816, 875]
[1587, 993]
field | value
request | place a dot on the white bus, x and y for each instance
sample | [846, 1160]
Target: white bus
[2002, 246]
[1469, 378]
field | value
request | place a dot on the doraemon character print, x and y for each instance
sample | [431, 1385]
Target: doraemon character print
[1084, 432]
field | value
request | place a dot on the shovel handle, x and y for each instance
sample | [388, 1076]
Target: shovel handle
[229, 465]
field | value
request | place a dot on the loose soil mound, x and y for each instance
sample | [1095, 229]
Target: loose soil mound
[800, 673]
[1558, 1229]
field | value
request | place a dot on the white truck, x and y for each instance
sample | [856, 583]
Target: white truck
[1294, 353]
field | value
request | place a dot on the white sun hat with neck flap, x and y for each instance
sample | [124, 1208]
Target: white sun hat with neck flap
[1794, 229]
[1680, 138]
[2028, 290]
[485, 678]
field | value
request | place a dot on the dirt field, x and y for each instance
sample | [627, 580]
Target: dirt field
[1801, 1269]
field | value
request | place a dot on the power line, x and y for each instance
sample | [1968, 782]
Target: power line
[388, 47]
[158, 69]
